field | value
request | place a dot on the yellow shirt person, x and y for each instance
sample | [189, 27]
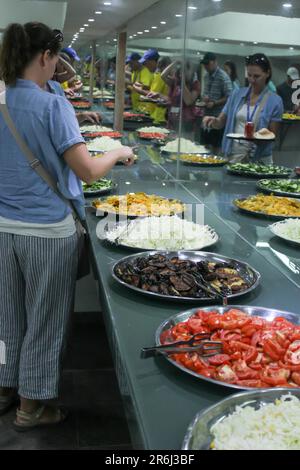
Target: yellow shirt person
[158, 113]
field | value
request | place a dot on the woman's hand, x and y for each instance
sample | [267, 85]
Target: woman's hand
[125, 155]
[89, 116]
[208, 122]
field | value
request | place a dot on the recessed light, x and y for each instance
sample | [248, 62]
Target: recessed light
[134, 35]
[178, 16]
[98, 12]
[287, 5]
[168, 37]
[91, 20]
[192, 8]
[146, 31]
[255, 42]
[107, 3]
[140, 32]
[216, 39]
[153, 27]
[291, 48]
[163, 22]
[207, 40]
[217, 0]
[130, 37]
[86, 25]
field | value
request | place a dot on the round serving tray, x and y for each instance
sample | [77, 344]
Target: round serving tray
[133, 215]
[289, 240]
[198, 435]
[263, 214]
[266, 313]
[276, 192]
[215, 239]
[251, 275]
[99, 192]
[253, 139]
[202, 164]
[260, 175]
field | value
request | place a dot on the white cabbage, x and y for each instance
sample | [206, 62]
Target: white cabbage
[289, 229]
[151, 129]
[186, 146]
[103, 144]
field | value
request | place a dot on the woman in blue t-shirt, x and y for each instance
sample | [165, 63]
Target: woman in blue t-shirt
[256, 104]
[38, 240]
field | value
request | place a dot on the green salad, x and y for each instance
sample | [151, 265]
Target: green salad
[97, 186]
[259, 168]
[284, 186]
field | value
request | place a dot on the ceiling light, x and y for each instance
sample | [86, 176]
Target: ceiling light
[163, 22]
[207, 40]
[91, 19]
[192, 8]
[98, 12]
[115, 40]
[216, 39]
[168, 37]
[217, 0]
[291, 48]
[140, 32]
[107, 3]
[178, 16]
[86, 25]
[146, 31]
[130, 37]
[255, 42]
[154, 27]
[134, 35]
[287, 5]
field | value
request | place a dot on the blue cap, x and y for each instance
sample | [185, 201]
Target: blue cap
[151, 54]
[71, 52]
[133, 56]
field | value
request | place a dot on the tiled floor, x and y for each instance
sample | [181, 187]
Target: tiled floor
[90, 392]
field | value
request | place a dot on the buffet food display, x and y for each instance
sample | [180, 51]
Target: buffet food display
[280, 187]
[139, 205]
[103, 144]
[185, 145]
[288, 230]
[258, 170]
[201, 160]
[278, 207]
[98, 187]
[162, 233]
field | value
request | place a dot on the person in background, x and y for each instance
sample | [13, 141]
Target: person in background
[285, 90]
[111, 72]
[172, 75]
[71, 86]
[230, 69]
[38, 239]
[255, 103]
[143, 85]
[133, 70]
[159, 90]
[217, 89]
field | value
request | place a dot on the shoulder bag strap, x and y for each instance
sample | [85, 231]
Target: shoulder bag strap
[259, 109]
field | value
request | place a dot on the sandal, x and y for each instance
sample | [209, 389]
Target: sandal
[7, 401]
[27, 421]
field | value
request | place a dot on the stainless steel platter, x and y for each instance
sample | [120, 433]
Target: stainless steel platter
[125, 224]
[249, 274]
[276, 192]
[99, 192]
[203, 164]
[198, 435]
[288, 172]
[266, 313]
[262, 214]
[289, 240]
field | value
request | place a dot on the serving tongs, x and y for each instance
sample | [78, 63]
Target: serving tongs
[211, 291]
[198, 343]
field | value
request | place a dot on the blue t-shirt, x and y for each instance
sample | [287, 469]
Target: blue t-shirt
[48, 124]
[272, 112]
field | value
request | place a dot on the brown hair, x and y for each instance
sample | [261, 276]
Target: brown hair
[21, 44]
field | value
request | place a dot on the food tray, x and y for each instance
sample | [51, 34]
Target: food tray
[198, 436]
[100, 191]
[202, 164]
[289, 240]
[260, 175]
[276, 192]
[99, 211]
[248, 273]
[262, 214]
[266, 313]
[242, 137]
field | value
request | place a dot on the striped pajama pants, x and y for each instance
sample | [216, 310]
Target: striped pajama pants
[37, 282]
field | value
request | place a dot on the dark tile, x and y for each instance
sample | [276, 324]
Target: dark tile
[102, 426]
[87, 345]
[96, 386]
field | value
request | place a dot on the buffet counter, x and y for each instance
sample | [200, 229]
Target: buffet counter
[160, 400]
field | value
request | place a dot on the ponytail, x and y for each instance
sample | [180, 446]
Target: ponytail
[20, 46]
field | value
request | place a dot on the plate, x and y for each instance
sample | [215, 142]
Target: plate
[277, 192]
[100, 191]
[215, 239]
[134, 215]
[245, 270]
[198, 435]
[254, 139]
[273, 228]
[205, 164]
[286, 174]
[266, 313]
[263, 214]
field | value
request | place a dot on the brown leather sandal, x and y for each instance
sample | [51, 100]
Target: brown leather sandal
[27, 421]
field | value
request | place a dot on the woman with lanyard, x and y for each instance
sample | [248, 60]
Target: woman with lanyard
[255, 104]
[38, 239]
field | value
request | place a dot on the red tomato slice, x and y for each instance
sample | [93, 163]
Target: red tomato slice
[292, 355]
[296, 377]
[275, 377]
[195, 325]
[219, 359]
[251, 383]
[250, 354]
